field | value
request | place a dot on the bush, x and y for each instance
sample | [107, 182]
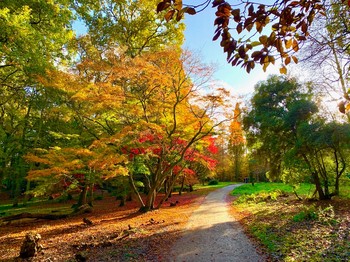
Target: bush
[213, 182]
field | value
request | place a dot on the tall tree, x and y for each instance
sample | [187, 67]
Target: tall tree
[236, 143]
[265, 121]
[133, 25]
[319, 149]
[307, 147]
[34, 37]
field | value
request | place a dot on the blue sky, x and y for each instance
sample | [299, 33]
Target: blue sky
[198, 38]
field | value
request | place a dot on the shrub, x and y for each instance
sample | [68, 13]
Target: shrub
[213, 182]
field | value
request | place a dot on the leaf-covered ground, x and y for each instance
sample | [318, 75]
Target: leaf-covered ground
[117, 234]
[291, 230]
[284, 228]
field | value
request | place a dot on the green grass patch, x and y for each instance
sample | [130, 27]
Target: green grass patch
[35, 207]
[219, 185]
[265, 234]
[200, 189]
[292, 230]
[248, 189]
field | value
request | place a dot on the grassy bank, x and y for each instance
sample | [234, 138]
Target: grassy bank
[292, 230]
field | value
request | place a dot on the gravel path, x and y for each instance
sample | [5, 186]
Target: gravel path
[213, 235]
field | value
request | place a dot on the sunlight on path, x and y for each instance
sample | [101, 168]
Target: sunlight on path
[213, 235]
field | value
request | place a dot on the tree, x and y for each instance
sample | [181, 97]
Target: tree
[61, 170]
[34, 36]
[133, 25]
[147, 108]
[236, 144]
[299, 145]
[327, 49]
[321, 150]
[169, 117]
[289, 23]
[265, 124]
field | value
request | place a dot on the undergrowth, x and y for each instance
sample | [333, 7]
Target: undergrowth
[293, 230]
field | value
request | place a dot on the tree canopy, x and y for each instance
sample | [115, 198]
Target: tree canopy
[252, 32]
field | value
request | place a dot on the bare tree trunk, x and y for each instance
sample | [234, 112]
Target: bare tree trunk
[170, 189]
[149, 205]
[137, 193]
[83, 196]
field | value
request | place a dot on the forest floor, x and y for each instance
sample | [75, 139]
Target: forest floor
[288, 229]
[284, 229]
[117, 233]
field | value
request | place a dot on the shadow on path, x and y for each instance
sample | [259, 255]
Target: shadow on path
[213, 235]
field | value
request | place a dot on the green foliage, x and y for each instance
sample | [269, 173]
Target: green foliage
[323, 215]
[308, 213]
[131, 24]
[213, 182]
[261, 197]
[298, 146]
[272, 119]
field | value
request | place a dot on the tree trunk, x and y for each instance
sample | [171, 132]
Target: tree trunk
[137, 193]
[170, 189]
[27, 196]
[17, 187]
[318, 185]
[166, 186]
[29, 215]
[182, 185]
[149, 205]
[82, 197]
[91, 195]
[315, 177]
[122, 199]
[336, 186]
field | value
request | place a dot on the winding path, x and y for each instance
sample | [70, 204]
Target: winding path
[213, 235]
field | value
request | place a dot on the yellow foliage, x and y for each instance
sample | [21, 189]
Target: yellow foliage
[36, 159]
[37, 174]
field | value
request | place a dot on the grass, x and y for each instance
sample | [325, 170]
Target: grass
[220, 185]
[292, 230]
[248, 189]
[36, 207]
